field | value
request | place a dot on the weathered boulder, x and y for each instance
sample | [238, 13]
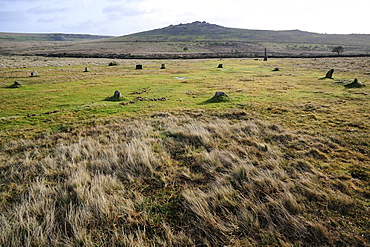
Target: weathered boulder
[87, 69]
[220, 94]
[276, 69]
[34, 73]
[139, 66]
[220, 66]
[218, 97]
[16, 84]
[116, 96]
[114, 63]
[355, 84]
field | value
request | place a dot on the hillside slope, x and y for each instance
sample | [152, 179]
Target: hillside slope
[203, 31]
[192, 40]
[24, 37]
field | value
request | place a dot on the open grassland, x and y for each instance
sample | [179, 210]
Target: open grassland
[284, 162]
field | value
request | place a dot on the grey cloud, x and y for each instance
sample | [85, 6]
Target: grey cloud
[117, 12]
[43, 10]
[46, 20]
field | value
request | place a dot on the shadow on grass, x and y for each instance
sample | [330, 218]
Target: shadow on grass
[216, 99]
[324, 78]
[112, 98]
[14, 85]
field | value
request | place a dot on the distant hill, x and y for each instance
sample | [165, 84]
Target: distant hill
[24, 37]
[192, 40]
[203, 31]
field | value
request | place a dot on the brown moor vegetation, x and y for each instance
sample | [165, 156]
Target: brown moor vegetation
[284, 163]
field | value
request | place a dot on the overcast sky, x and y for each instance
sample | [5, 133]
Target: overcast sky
[121, 17]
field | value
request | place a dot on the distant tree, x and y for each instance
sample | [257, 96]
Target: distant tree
[338, 49]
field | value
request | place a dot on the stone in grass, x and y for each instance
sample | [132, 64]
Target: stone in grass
[220, 94]
[139, 66]
[276, 69]
[34, 73]
[355, 84]
[16, 84]
[163, 66]
[329, 74]
[87, 69]
[266, 57]
[114, 63]
[219, 97]
[116, 96]
[220, 66]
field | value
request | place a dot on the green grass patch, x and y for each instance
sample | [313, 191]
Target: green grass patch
[72, 95]
[281, 160]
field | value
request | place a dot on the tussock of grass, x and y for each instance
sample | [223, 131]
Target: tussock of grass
[178, 180]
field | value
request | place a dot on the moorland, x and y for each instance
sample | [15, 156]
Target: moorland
[191, 40]
[284, 160]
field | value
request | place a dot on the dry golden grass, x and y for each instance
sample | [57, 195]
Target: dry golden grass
[181, 180]
[284, 163]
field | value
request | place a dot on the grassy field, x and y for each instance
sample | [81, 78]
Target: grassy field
[284, 161]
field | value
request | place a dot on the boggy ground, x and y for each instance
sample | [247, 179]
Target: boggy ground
[284, 162]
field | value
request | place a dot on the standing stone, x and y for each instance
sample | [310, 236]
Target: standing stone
[220, 66]
[116, 95]
[355, 84]
[16, 84]
[265, 58]
[218, 97]
[163, 66]
[139, 66]
[329, 74]
[87, 69]
[34, 73]
[220, 94]
[114, 63]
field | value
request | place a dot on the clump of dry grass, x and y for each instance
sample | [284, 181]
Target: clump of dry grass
[180, 180]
